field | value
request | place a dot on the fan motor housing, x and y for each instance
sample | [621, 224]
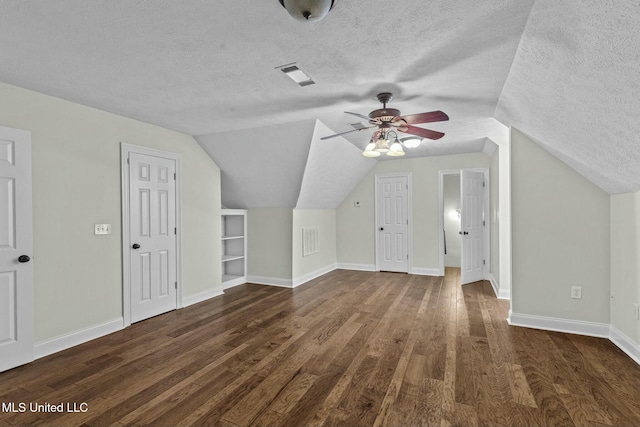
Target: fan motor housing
[384, 113]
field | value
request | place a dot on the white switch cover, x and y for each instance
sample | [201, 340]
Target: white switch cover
[102, 229]
[576, 292]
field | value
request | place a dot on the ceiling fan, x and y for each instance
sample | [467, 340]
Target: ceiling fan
[389, 119]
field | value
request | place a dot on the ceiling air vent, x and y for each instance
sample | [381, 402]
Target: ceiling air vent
[296, 74]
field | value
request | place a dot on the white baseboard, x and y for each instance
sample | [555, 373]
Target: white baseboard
[494, 284]
[201, 296]
[577, 327]
[73, 339]
[357, 267]
[500, 293]
[504, 294]
[314, 274]
[426, 271]
[270, 281]
[625, 344]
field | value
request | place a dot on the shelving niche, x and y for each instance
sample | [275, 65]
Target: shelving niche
[234, 247]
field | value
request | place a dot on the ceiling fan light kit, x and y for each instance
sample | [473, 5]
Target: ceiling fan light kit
[308, 10]
[411, 142]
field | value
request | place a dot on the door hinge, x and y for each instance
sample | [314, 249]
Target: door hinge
[483, 223]
[176, 285]
[484, 262]
[407, 222]
[482, 184]
[174, 176]
[175, 230]
[407, 256]
[127, 160]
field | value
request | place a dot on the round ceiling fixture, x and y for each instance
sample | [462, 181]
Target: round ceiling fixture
[308, 10]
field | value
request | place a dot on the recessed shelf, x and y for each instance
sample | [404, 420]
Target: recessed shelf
[234, 247]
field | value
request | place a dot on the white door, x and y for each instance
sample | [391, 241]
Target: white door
[472, 226]
[152, 228]
[16, 249]
[393, 223]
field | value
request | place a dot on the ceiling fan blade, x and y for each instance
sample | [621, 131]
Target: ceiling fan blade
[430, 117]
[362, 116]
[425, 133]
[343, 133]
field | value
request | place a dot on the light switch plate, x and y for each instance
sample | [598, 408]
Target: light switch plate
[102, 229]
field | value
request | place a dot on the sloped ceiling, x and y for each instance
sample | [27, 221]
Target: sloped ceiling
[565, 72]
[575, 87]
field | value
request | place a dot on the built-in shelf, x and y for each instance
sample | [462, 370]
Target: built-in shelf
[234, 247]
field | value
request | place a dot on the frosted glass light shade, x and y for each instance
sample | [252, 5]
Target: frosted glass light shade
[369, 150]
[411, 142]
[307, 10]
[396, 149]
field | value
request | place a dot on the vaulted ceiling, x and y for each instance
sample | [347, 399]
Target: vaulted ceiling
[565, 72]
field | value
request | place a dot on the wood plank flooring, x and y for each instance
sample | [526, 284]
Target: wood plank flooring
[349, 349]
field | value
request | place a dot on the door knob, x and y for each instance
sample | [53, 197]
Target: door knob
[24, 258]
[465, 232]
[381, 228]
[136, 246]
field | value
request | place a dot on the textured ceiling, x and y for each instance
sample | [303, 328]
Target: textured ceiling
[565, 72]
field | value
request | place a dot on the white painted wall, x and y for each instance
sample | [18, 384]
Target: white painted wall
[625, 264]
[325, 259]
[355, 225]
[76, 183]
[452, 206]
[560, 237]
[269, 243]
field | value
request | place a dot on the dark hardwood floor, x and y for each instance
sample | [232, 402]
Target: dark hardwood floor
[350, 349]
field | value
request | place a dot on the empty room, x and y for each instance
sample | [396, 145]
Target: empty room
[319, 212]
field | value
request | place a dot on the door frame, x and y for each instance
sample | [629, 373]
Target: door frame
[409, 217]
[487, 228]
[125, 150]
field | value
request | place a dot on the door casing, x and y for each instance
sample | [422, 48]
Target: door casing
[125, 150]
[487, 228]
[409, 216]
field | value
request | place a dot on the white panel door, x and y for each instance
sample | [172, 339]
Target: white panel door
[152, 204]
[393, 223]
[16, 246]
[472, 224]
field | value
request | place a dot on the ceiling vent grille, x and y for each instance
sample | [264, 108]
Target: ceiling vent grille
[296, 74]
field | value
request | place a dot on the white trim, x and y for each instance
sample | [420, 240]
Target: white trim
[426, 271]
[625, 344]
[504, 294]
[486, 212]
[357, 267]
[234, 282]
[408, 175]
[125, 150]
[63, 342]
[270, 281]
[201, 296]
[313, 275]
[494, 284]
[577, 327]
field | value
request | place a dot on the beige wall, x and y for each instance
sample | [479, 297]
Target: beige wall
[625, 264]
[325, 220]
[76, 183]
[355, 225]
[269, 241]
[560, 237]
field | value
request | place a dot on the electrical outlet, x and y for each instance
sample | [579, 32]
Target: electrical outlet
[576, 292]
[636, 311]
[613, 300]
[356, 204]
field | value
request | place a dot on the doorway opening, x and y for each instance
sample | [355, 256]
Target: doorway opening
[463, 226]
